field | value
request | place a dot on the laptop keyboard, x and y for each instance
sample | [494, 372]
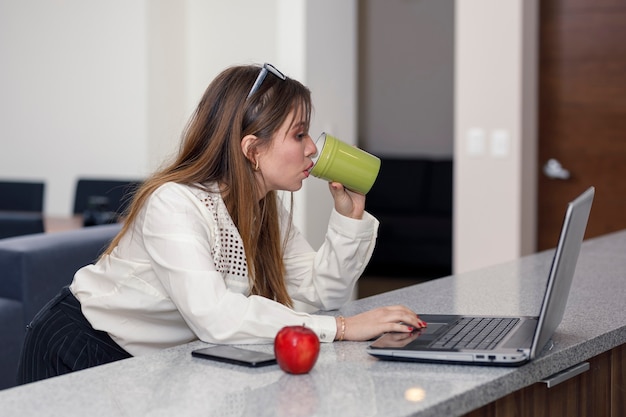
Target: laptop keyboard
[475, 333]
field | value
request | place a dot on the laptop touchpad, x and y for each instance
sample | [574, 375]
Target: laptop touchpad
[416, 338]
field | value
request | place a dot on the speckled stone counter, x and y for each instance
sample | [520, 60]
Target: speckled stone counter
[346, 381]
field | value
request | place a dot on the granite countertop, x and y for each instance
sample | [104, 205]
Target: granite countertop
[346, 381]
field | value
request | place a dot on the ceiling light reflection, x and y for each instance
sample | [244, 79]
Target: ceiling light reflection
[415, 394]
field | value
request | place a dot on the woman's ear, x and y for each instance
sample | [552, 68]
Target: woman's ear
[248, 147]
[250, 150]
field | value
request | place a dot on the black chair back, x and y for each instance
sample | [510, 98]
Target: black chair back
[21, 196]
[109, 195]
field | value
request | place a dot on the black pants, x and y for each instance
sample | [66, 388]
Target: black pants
[60, 340]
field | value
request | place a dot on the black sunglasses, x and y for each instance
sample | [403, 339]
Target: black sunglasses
[262, 74]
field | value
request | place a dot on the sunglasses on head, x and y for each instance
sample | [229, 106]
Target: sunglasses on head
[262, 74]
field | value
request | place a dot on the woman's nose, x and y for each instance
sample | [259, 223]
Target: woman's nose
[310, 149]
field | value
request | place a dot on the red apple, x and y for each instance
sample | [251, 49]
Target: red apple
[296, 349]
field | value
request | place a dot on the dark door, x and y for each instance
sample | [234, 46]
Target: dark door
[582, 113]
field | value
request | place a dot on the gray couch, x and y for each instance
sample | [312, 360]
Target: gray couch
[18, 223]
[33, 269]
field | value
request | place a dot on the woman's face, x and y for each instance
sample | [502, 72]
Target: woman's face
[286, 162]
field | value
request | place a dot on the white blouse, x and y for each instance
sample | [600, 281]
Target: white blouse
[180, 274]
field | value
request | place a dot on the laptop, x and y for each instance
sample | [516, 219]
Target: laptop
[501, 341]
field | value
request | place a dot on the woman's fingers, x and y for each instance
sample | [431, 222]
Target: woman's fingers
[347, 203]
[402, 314]
[375, 322]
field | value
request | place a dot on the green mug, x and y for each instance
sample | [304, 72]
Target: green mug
[340, 162]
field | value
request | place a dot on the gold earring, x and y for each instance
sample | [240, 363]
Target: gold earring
[256, 167]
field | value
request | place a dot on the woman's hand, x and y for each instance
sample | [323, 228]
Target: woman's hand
[347, 203]
[373, 323]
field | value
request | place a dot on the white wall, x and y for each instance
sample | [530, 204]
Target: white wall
[189, 43]
[72, 93]
[167, 97]
[495, 132]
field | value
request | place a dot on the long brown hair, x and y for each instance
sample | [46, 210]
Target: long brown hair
[211, 151]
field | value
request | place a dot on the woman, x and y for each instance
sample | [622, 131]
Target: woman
[208, 251]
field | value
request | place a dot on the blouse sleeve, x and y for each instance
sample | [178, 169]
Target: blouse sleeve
[324, 280]
[177, 231]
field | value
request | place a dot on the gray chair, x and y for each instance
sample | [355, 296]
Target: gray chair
[32, 270]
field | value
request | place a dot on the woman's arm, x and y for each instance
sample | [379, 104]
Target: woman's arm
[325, 279]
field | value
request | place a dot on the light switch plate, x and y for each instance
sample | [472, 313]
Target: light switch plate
[500, 143]
[476, 142]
